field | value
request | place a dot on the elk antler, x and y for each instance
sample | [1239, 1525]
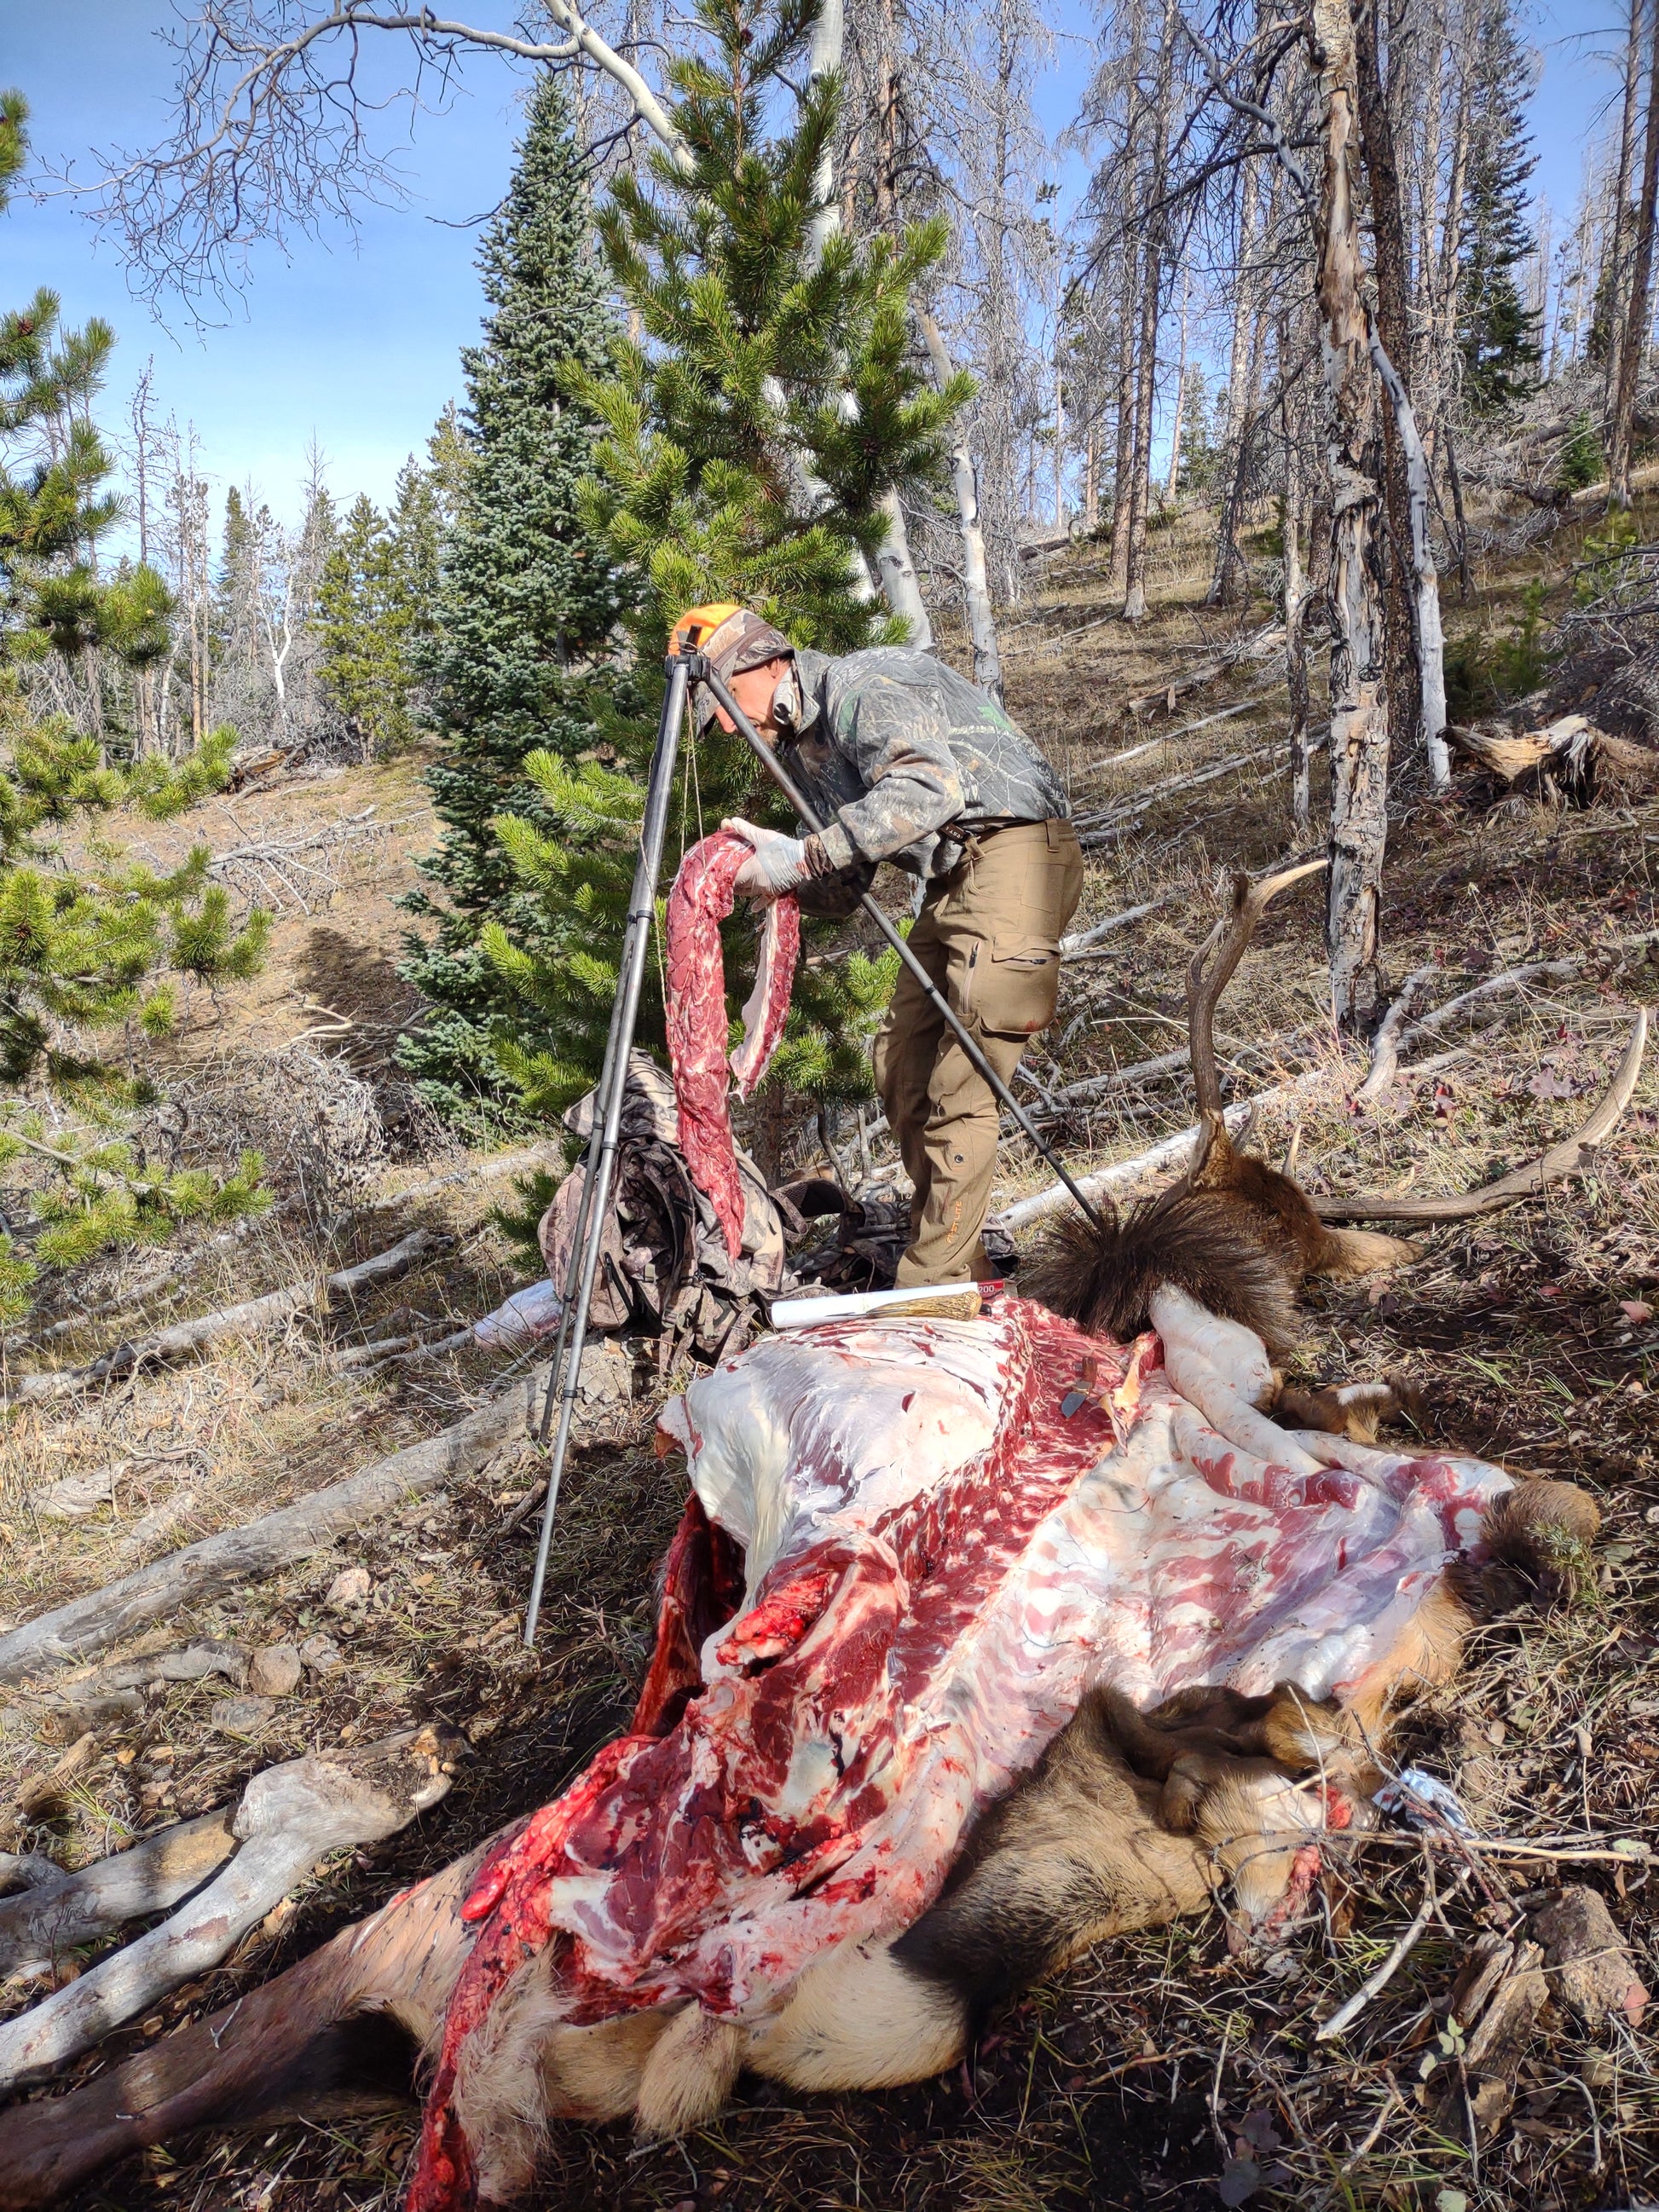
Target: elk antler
[1228, 940]
[1559, 1160]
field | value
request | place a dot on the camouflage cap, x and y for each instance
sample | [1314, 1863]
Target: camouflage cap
[732, 638]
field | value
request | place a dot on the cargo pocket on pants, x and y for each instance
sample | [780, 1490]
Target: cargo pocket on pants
[1016, 983]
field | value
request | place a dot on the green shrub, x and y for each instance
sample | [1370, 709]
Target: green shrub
[1582, 462]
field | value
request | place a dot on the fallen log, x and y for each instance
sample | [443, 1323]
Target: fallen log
[1095, 825]
[253, 1318]
[403, 1961]
[151, 1877]
[291, 1817]
[1256, 646]
[1385, 1045]
[1187, 729]
[203, 1571]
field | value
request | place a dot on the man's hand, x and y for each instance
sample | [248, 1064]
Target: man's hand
[776, 864]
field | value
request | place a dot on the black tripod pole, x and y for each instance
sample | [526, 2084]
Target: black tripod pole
[701, 672]
[605, 1131]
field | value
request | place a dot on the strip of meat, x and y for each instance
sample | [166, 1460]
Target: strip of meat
[700, 901]
[941, 1559]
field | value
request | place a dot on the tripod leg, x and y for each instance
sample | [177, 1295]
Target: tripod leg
[641, 913]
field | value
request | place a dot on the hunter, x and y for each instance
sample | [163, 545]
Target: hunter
[906, 761]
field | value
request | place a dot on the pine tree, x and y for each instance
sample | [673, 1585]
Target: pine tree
[526, 600]
[1497, 333]
[374, 607]
[751, 434]
[85, 947]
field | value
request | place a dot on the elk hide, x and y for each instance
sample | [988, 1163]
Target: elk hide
[909, 1549]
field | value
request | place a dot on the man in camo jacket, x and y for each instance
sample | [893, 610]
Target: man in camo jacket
[905, 761]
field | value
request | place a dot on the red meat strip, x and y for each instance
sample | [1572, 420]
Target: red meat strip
[699, 903]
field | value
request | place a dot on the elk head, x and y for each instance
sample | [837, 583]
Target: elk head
[1241, 1237]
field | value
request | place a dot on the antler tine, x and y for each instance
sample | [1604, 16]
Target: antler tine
[1549, 1167]
[1204, 988]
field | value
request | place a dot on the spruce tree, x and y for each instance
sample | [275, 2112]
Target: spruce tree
[86, 946]
[527, 600]
[1497, 333]
[751, 432]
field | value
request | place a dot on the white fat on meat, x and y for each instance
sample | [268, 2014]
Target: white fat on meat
[832, 1427]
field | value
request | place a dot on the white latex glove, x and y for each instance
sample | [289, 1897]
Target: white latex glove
[776, 862]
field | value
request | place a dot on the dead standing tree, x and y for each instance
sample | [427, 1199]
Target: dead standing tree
[1359, 719]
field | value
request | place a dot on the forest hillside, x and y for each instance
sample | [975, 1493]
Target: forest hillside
[1529, 1337]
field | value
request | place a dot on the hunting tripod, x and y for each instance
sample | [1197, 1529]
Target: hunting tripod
[684, 669]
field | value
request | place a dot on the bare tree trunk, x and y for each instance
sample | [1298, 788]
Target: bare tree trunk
[1416, 690]
[976, 579]
[1140, 470]
[895, 568]
[1451, 224]
[1091, 480]
[1294, 602]
[1228, 560]
[1118, 580]
[1151, 294]
[1428, 199]
[1616, 250]
[1180, 387]
[1359, 724]
[1635, 320]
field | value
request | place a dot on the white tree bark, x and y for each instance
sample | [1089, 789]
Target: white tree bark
[1431, 640]
[897, 571]
[1359, 722]
[976, 577]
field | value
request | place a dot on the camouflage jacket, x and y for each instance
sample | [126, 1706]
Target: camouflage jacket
[904, 758]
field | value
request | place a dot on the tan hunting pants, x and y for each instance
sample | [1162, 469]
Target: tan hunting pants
[988, 936]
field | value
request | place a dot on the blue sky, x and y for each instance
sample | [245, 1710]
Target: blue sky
[357, 342]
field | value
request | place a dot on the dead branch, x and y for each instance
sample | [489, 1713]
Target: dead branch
[152, 1876]
[1073, 947]
[1385, 1046]
[256, 1317]
[1257, 647]
[291, 1817]
[1095, 829]
[203, 1571]
[1373, 1983]
[1187, 729]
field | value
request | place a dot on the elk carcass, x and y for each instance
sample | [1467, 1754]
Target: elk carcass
[981, 1639]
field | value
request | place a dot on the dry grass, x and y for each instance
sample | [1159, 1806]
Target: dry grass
[1139, 2076]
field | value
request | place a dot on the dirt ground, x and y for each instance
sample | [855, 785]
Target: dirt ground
[1162, 2072]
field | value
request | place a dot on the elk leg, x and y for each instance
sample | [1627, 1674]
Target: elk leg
[251, 2054]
